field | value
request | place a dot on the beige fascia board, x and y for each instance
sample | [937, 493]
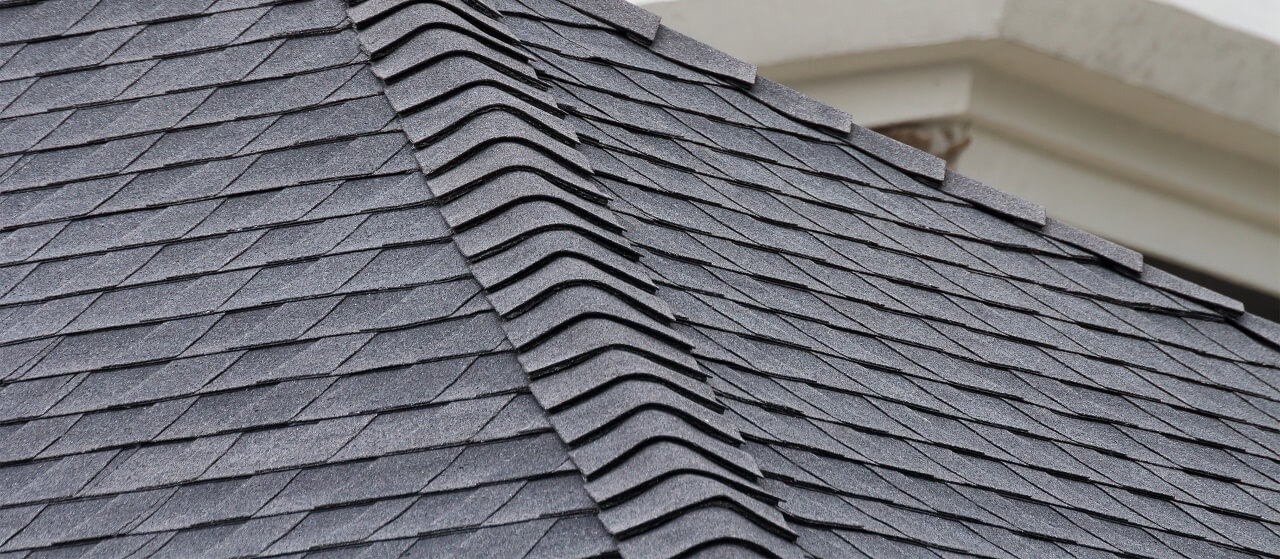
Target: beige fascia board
[778, 32]
[1225, 182]
[1215, 86]
[899, 94]
[1157, 47]
[1127, 213]
[1258, 140]
[1216, 204]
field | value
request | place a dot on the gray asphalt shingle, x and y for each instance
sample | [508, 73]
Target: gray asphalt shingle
[543, 278]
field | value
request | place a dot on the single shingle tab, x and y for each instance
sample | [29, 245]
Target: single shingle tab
[162, 464]
[625, 15]
[388, 476]
[45, 19]
[1267, 329]
[117, 427]
[202, 503]
[70, 521]
[801, 107]
[1126, 258]
[1160, 278]
[240, 538]
[987, 197]
[339, 525]
[258, 451]
[687, 50]
[899, 154]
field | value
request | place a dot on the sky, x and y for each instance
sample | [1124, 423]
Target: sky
[1258, 17]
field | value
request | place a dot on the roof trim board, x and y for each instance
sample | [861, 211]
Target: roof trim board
[575, 314]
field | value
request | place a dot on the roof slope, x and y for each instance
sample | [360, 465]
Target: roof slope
[542, 278]
[234, 321]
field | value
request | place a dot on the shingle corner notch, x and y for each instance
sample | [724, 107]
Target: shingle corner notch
[617, 382]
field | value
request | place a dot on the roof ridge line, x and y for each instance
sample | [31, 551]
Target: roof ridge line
[675, 47]
[617, 382]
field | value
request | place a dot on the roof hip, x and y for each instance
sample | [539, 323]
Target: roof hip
[618, 383]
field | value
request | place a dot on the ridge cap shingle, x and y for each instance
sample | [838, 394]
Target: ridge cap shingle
[562, 319]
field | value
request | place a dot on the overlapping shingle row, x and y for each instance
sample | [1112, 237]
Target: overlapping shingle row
[232, 318]
[617, 382]
[542, 278]
[915, 376]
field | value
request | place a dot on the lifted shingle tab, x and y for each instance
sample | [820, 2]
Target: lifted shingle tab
[681, 48]
[801, 107]
[1160, 278]
[1266, 329]
[984, 196]
[1125, 258]
[622, 14]
[898, 154]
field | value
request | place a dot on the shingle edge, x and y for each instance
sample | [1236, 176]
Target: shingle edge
[621, 14]
[801, 107]
[1126, 258]
[987, 197]
[682, 49]
[1260, 327]
[1159, 278]
[898, 154]
[686, 50]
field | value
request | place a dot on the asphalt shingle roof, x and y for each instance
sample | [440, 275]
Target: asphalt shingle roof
[543, 278]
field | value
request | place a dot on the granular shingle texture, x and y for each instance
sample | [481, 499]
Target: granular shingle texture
[542, 278]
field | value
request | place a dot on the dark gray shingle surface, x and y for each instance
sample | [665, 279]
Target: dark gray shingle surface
[234, 320]
[532, 278]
